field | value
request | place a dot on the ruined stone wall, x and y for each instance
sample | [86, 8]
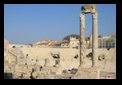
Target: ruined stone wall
[6, 47]
[67, 57]
[36, 59]
[87, 73]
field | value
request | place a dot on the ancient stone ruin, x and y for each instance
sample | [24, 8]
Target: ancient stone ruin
[92, 72]
[62, 63]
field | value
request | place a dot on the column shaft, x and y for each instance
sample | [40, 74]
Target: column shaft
[82, 36]
[94, 38]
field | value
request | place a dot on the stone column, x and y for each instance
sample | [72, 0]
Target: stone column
[102, 43]
[94, 38]
[90, 41]
[82, 41]
[108, 45]
[47, 62]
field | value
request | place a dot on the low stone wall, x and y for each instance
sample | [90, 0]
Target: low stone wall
[87, 73]
[67, 59]
[107, 75]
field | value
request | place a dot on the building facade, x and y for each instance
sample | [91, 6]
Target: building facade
[74, 42]
[65, 44]
[105, 41]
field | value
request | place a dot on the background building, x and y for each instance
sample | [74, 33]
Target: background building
[74, 42]
[65, 44]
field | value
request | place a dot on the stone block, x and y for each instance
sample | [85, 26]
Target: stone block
[16, 75]
[9, 68]
[87, 73]
[29, 68]
[26, 75]
[21, 68]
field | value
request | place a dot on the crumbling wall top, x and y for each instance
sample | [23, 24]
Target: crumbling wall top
[90, 8]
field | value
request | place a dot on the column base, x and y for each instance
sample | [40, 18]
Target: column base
[87, 73]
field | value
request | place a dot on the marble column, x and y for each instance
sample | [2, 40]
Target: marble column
[102, 42]
[94, 38]
[82, 41]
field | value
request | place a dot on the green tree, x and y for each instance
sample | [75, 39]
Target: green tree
[72, 35]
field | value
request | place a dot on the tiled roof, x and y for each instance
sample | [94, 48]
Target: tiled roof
[42, 42]
[65, 41]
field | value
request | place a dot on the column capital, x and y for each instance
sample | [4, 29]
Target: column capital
[95, 15]
[82, 16]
